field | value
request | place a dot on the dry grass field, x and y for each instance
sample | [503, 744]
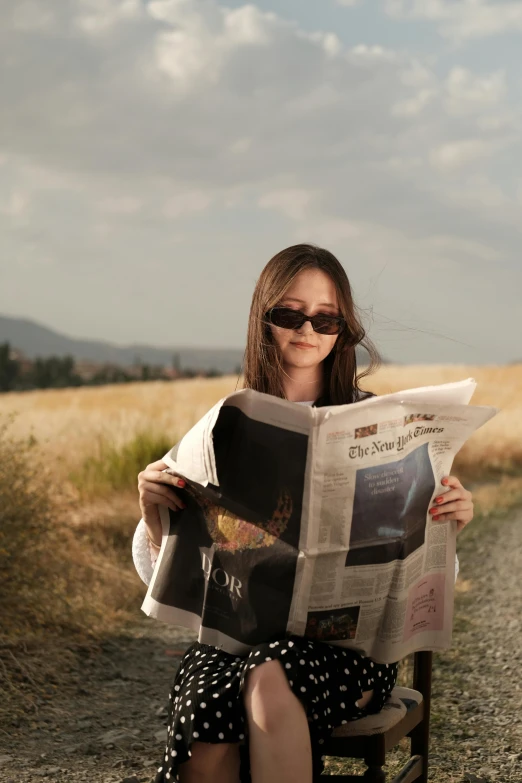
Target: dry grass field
[76, 454]
[73, 425]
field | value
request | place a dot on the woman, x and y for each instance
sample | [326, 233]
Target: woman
[281, 701]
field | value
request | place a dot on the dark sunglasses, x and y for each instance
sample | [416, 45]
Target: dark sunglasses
[286, 318]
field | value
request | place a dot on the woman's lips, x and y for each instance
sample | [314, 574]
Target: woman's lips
[303, 345]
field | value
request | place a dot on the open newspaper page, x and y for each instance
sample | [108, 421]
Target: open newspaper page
[314, 521]
[379, 571]
[228, 562]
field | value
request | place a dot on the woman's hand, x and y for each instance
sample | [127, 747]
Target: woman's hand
[155, 489]
[456, 504]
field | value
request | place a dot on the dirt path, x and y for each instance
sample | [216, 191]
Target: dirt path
[477, 720]
[108, 724]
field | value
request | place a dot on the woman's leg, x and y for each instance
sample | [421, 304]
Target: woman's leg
[279, 738]
[211, 763]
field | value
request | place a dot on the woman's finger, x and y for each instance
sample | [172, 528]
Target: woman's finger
[167, 478]
[446, 497]
[458, 505]
[454, 483]
[454, 486]
[162, 491]
[177, 480]
[462, 517]
[158, 465]
[159, 500]
[160, 477]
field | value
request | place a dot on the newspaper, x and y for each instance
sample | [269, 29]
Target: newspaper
[315, 522]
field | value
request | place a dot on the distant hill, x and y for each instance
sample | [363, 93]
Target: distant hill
[35, 340]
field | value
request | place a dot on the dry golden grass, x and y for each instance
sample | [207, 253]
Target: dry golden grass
[70, 424]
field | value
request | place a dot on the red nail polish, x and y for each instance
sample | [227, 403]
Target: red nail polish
[436, 518]
[439, 500]
[181, 483]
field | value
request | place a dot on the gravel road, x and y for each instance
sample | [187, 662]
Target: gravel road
[107, 724]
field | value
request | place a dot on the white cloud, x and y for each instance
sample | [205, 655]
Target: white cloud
[456, 154]
[411, 107]
[29, 15]
[457, 246]
[187, 203]
[240, 146]
[247, 26]
[329, 231]
[177, 91]
[99, 17]
[16, 205]
[462, 19]
[501, 122]
[480, 194]
[404, 163]
[375, 53]
[467, 93]
[121, 205]
[416, 74]
[294, 203]
[329, 42]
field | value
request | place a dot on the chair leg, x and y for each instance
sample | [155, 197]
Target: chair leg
[420, 739]
[420, 736]
[374, 774]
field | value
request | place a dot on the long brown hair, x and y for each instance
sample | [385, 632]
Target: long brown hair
[263, 369]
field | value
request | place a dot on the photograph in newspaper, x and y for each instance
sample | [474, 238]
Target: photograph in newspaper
[333, 624]
[389, 509]
[230, 556]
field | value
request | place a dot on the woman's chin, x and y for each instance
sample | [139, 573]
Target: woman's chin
[300, 362]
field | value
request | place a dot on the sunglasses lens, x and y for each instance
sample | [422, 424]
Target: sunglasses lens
[327, 325]
[286, 318]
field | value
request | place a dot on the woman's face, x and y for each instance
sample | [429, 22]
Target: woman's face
[312, 292]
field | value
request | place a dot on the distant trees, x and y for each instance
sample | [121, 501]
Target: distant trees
[54, 373]
[19, 374]
[106, 375]
[9, 368]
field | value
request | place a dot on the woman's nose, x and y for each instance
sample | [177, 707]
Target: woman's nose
[306, 328]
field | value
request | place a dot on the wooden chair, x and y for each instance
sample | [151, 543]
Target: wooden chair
[405, 714]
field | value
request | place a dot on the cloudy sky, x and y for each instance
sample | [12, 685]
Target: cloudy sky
[154, 155]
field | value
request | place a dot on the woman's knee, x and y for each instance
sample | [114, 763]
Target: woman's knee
[268, 696]
[208, 757]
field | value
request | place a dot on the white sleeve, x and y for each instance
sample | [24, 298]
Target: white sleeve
[456, 567]
[141, 553]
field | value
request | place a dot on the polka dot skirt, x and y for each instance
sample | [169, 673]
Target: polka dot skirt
[206, 701]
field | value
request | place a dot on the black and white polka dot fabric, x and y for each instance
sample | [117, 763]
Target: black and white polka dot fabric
[206, 702]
